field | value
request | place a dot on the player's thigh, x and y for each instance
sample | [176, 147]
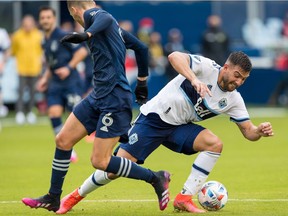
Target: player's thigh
[207, 141]
[71, 133]
[182, 138]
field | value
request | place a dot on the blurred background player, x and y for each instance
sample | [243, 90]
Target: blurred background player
[61, 80]
[26, 47]
[4, 46]
[86, 71]
[215, 42]
[201, 91]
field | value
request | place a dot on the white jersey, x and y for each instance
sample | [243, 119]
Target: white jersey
[179, 103]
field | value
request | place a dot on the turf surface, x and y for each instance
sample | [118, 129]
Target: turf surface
[254, 173]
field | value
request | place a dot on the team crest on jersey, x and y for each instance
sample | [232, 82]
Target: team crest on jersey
[222, 103]
[54, 46]
[133, 138]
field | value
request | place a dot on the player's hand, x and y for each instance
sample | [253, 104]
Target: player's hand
[141, 92]
[62, 72]
[201, 88]
[265, 129]
[42, 84]
[75, 38]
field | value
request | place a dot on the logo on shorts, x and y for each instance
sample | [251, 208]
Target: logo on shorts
[133, 138]
[106, 121]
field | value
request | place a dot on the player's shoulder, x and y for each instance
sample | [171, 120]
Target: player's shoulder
[236, 96]
[203, 60]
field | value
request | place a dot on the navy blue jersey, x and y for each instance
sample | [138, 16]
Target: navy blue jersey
[108, 46]
[59, 55]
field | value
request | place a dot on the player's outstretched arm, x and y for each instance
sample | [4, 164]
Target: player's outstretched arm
[253, 132]
[181, 63]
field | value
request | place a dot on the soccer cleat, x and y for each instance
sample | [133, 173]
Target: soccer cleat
[161, 186]
[69, 201]
[47, 202]
[185, 203]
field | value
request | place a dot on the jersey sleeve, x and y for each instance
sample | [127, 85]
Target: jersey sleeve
[97, 20]
[238, 113]
[196, 64]
[140, 49]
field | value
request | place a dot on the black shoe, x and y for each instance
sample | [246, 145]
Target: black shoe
[47, 202]
[161, 186]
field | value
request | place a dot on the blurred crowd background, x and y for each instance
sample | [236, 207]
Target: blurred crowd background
[209, 28]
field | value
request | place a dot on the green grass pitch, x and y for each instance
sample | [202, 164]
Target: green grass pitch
[254, 173]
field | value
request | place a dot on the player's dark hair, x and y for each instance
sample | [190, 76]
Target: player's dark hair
[241, 59]
[45, 8]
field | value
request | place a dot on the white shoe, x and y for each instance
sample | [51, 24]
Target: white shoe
[31, 118]
[3, 111]
[20, 118]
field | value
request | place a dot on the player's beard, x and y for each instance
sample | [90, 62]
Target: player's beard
[228, 85]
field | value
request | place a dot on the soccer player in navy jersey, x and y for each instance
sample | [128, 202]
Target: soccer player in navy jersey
[107, 109]
[202, 90]
[61, 81]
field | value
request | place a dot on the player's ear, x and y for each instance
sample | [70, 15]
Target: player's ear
[225, 66]
[72, 10]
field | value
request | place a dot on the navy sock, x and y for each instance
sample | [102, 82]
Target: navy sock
[126, 168]
[60, 167]
[56, 124]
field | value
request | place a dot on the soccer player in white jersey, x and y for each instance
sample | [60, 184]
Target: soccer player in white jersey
[202, 89]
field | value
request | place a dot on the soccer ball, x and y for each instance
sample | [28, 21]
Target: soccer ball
[213, 196]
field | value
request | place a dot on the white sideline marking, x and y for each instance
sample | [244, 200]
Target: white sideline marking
[152, 200]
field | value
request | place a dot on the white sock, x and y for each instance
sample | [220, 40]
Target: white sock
[97, 179]
[201, 168]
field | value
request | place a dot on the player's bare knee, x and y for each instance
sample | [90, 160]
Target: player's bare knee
[216, 145]
[98, 164]
[62, 143]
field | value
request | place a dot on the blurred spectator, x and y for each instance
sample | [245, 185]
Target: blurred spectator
[26, 47]
[285, 25]
[4, 46]
[157, 61]
[214, 41]
[280, 93]
[146, 26]
[175, 43]
[67, 26]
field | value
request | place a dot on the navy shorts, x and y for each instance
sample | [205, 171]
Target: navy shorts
[110, 116]
[65, 96]
[149, 132]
